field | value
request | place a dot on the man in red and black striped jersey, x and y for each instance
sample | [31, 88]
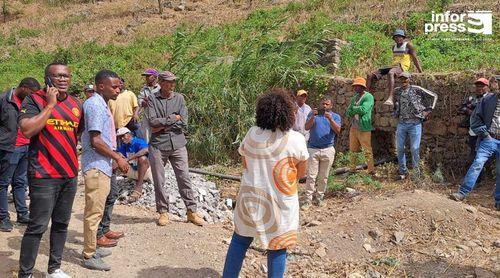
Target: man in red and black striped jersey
[51, 119]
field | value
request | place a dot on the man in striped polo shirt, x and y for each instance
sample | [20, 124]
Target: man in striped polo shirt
[51, 119]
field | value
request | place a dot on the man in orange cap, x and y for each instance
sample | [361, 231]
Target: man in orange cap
[360, 111]
[486, 124]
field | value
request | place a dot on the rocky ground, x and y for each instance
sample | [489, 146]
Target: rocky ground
[402, 230]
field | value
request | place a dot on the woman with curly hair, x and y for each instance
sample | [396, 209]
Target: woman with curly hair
[267, 208]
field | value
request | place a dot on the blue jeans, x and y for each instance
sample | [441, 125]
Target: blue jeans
[414, 131]
[276, 259]
[13, 169]
[486, 149]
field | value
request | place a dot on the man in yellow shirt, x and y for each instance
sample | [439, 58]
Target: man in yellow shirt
[403, 53]
[124, 110]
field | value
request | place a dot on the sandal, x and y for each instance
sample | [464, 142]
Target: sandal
[134, 196]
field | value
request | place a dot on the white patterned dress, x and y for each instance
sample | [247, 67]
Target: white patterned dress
[267, 207]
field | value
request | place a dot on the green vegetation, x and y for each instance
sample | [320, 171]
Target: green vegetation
[359, 179]
[224, 69]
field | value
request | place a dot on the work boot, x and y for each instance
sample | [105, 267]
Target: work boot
[5, 225]
[58, 273]
[194, 218]
[163, 219]
[96, 263]
[106, 242]
[457, 196]
[114, 235]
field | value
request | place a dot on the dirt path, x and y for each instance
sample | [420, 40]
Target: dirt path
[176, 250]
[353, 236]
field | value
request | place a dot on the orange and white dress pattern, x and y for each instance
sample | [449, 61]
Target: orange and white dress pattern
[267, 207]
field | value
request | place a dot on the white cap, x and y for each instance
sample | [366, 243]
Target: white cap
[122, 131]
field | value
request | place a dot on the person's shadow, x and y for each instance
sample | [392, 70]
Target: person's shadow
[171, 272]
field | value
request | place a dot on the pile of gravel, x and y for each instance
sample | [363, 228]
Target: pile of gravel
[210, 206]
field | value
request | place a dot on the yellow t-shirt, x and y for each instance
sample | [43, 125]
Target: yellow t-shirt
[123, 108]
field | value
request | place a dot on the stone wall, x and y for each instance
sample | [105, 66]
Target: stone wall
[442, 142]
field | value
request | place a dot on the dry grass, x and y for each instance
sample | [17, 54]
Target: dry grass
[120, 22]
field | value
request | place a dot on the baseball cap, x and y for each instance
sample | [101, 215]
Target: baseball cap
[167, 76]
[360, 81]
[482, 81]
[399, 32]
[405, 74]
[88, 87]
[301, 92]
[122, 131]
[150, 71]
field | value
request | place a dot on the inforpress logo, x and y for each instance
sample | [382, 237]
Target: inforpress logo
[476, 22]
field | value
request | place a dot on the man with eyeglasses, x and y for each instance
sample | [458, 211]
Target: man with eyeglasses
[51, 119]
[14, 153]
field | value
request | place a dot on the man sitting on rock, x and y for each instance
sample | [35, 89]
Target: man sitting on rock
[135, 150]
[403, 52]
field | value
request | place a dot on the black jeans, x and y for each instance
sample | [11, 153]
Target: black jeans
[50, 199]
[108, 207]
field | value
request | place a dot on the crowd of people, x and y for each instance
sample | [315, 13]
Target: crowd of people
[124, 134]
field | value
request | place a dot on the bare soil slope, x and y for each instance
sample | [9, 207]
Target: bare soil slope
[394, 233]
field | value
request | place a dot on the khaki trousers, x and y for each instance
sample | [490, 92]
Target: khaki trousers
[361, 140]
[97, 187]
[319, 164]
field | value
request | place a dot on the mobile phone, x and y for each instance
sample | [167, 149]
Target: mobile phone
[321, 111]
[48, 82]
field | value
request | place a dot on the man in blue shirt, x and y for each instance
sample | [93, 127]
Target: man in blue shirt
[98, 143]
[135, 150]
[323, 126]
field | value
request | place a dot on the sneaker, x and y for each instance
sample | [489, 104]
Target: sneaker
[318, 201]
[5, 225]
[401, 177]
[96, 263]
[163, 219]
[305, 206]
[194, 218]
[58, 273]
[321, 203]
[457, 196]
[102, 252]
[389, 102]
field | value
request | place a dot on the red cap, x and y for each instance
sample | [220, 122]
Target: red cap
[483, 81]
